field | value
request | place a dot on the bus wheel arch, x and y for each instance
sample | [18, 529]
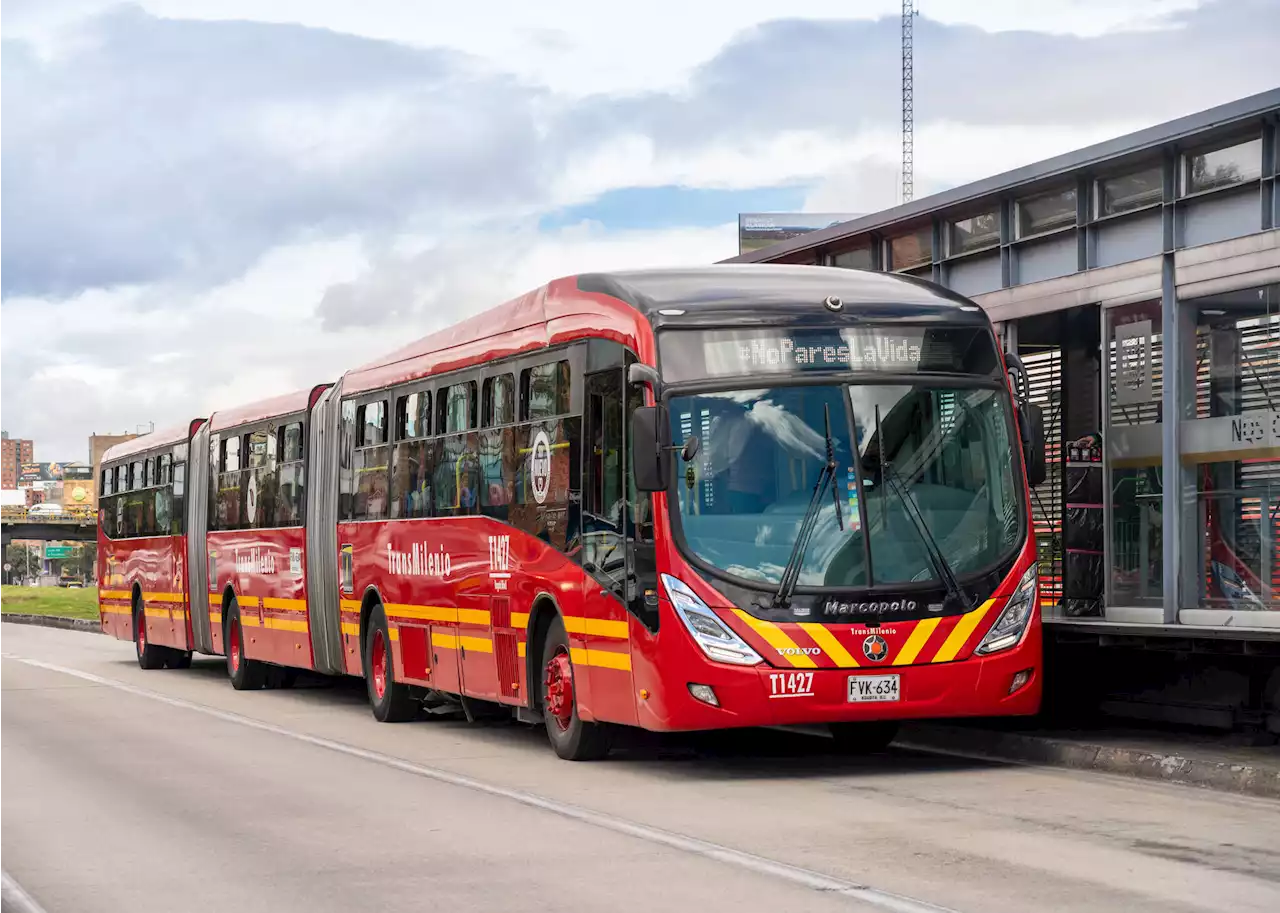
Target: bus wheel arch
[544, 611]
[371, 600]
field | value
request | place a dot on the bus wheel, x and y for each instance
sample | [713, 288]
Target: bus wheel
[178, 659]
[245, 673]
[863, 738]
[150, 656]
[390, 700]
[571, 737]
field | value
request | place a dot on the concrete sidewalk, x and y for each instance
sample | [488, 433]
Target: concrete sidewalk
[1212, 761]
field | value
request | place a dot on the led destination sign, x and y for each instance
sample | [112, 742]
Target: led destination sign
[698, 354]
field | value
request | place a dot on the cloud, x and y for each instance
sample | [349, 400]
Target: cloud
[176, 148]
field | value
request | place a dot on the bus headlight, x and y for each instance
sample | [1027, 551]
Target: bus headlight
[708, 631]
[1011, 624]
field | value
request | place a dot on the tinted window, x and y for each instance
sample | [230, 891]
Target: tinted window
[458, 405]
[544, 391]
[260, 454]
[291, 442]
[974, 233]
[371, 422]
[1223, 167]
[1130, 191]
[1047, 212]
[499, 401]
[413, 415]
[231, 454]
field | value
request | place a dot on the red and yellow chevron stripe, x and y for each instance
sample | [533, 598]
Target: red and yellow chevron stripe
[809, 645]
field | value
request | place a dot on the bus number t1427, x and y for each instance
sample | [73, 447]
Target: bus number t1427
[790, 684]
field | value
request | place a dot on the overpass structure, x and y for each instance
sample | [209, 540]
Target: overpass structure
[19, 524]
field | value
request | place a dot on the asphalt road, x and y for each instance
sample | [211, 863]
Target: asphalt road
[126, 790]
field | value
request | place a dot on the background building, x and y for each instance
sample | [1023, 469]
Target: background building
[16, 451]
[98, 445]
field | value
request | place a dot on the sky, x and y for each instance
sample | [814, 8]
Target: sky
[209, 202]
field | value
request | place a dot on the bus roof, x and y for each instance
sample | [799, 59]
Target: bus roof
[275, 407]
[627, 305]
[702, 291]
[165, 437]
[556, 312]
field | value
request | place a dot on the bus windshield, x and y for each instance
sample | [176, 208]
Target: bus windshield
[948, 447]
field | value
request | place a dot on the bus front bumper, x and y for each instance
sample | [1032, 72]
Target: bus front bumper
[1008, 683]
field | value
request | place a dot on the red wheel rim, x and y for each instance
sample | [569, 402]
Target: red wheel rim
[379, 665]
[559, 689]
[233, 650]
[142, 632]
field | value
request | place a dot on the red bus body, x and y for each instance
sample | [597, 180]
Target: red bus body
[468, 596]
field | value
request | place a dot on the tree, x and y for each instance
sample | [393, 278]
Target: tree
[20, 556]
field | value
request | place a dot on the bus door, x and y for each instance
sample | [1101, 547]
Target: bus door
[604, 632]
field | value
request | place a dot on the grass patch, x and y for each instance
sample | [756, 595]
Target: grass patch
[50, 600]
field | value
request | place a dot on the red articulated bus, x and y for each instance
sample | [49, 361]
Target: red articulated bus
[686, 499]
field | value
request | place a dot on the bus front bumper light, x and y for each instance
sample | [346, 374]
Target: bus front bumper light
[1012, 624]
[716, 640]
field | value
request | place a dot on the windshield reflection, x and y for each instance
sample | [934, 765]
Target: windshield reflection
[763, 449]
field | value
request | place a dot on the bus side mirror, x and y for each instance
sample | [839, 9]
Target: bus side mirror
[651, 447]
[1031, 427]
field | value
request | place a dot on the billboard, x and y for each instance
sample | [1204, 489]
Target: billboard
[760, 229]
[53, 472]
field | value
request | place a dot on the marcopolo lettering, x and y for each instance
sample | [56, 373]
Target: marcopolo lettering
[888, 607]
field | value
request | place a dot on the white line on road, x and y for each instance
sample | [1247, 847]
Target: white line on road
[884, 900]
[15, 900]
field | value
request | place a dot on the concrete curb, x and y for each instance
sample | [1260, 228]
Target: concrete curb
[54, 621]
[1082, 755]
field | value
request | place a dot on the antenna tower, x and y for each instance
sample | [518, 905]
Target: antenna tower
[908, 102]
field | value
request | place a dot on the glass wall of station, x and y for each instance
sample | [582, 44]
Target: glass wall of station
[1228, 474]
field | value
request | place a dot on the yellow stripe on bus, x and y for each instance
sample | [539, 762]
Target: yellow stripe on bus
[288, 605]
[114, 610]
[476, 644]
[350, 628]
[438, 613]
[960, 633]
[215, 618]
[596, 627]
[833, 648]
[283, 624]
[114, 594]
[915, 643]
[779, 640]
[519, 619]
[444, 640]
[521, 648]
[164, 597]
[603, 659]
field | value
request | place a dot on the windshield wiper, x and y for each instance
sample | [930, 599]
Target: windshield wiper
[934, 552]
[791, 573]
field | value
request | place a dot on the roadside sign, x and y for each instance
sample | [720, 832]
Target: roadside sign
[8, 566]
[59, 551]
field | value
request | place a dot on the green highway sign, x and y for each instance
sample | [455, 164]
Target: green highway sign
[59, 551]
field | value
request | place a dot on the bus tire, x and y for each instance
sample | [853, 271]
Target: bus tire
[150, 656]
[863, 738]
[391, 701]
[572, 738]
[178, 659]
[245, 674]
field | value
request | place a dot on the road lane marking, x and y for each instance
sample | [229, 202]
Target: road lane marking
[761, 865]
[14, 898]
